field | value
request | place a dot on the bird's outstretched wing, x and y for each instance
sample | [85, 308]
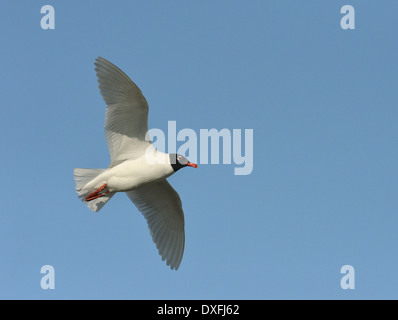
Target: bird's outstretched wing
[126, 120]
[161, 206]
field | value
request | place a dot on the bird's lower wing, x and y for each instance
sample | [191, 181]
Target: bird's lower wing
[161, 206]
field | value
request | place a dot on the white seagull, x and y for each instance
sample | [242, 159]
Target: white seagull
[136, 168]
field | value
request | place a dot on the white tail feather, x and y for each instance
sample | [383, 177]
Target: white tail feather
[82, 179]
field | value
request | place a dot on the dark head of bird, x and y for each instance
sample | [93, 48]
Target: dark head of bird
[178, 161]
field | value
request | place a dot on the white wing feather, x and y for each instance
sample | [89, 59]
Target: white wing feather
[126, 120]
[161, 206]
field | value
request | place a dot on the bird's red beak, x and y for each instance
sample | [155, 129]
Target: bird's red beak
[193, 165]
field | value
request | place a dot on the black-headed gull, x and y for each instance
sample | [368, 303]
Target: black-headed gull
[136, 168]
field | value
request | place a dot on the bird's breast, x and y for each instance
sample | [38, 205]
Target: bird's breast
[131, 174]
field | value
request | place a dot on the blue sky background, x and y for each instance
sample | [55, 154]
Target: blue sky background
[323, 105]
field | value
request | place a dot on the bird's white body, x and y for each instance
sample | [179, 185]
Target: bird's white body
[132, 174]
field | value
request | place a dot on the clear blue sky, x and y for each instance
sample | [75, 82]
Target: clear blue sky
[323, 105]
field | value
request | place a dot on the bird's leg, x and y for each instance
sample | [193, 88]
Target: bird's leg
[96, 194]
